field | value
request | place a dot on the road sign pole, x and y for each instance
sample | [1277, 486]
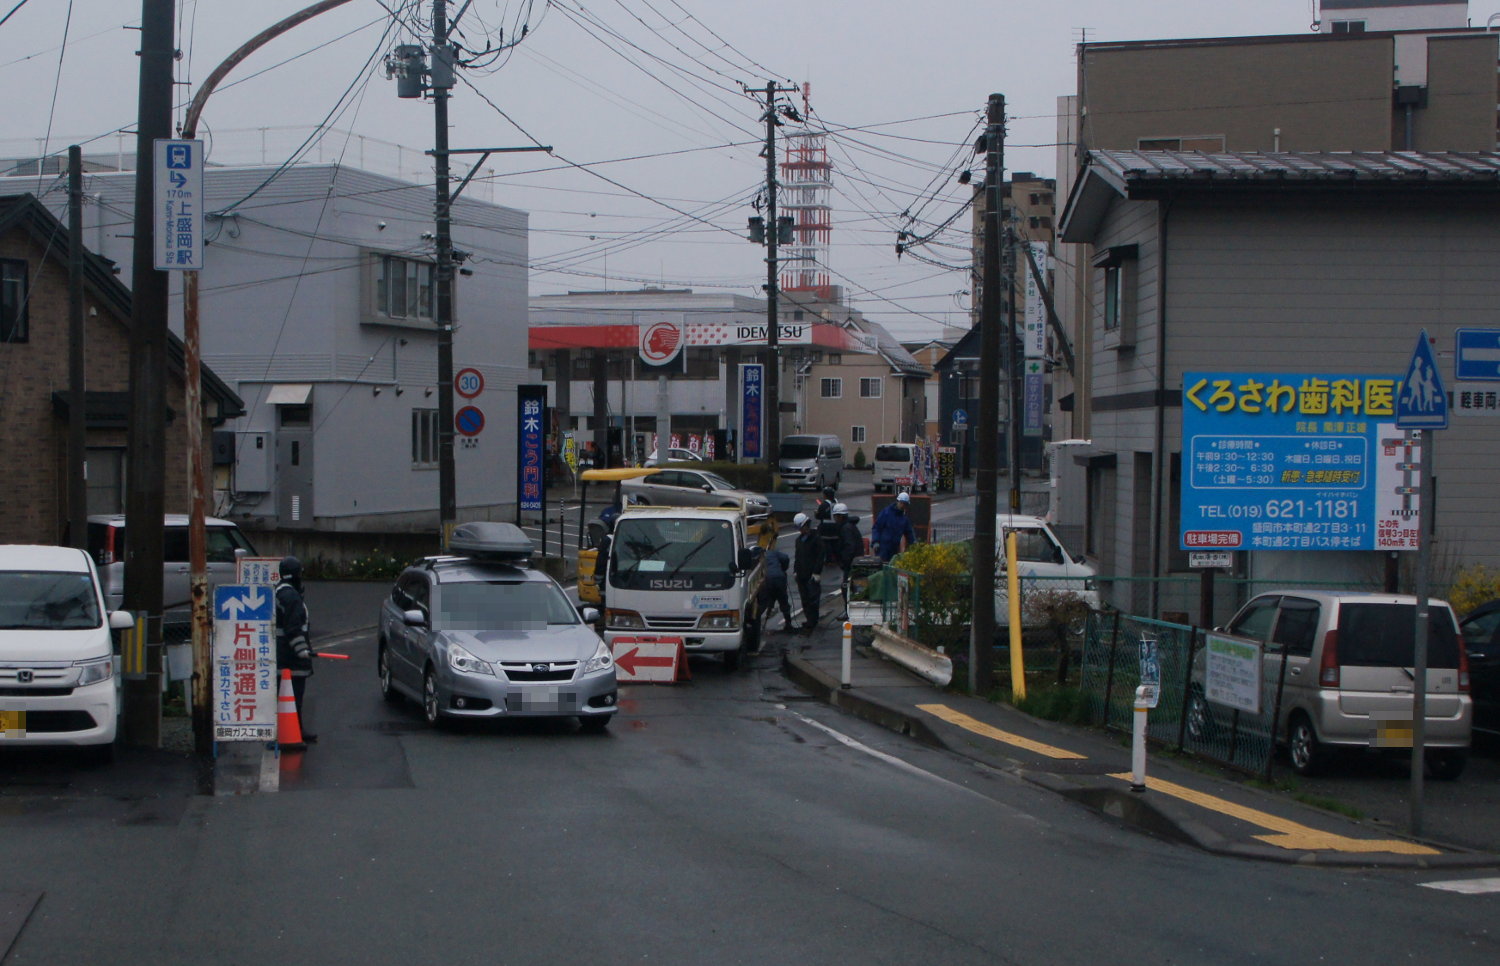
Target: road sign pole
[1419, 658]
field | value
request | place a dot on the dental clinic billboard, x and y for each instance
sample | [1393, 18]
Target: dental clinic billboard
[1296, 461]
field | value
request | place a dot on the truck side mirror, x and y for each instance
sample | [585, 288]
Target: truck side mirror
[746, 559]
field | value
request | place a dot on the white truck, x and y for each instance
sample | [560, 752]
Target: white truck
[684, 572]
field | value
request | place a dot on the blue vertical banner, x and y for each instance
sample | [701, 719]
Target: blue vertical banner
[531, 482]
[752, 384]
[1035, 398]
[177, 220]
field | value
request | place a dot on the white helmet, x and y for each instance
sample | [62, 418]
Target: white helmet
[903, 497]
[841, 509]
[799, 520]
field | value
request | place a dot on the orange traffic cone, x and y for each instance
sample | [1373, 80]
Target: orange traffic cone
[288, 726]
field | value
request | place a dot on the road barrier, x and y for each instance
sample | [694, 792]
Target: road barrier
[934, 666]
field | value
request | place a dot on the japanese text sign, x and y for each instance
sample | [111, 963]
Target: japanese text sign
[752, 383]
[177, 205]
[531, 484]
[244, 664]
[1295, 461]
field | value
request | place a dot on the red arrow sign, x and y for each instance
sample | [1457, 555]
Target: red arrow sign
[632, 660]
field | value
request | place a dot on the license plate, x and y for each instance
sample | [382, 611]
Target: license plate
[549, 699]
[12, 724]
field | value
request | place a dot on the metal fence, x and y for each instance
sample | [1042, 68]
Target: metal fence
[1183, 719]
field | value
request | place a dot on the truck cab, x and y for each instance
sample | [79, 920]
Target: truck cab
[684, 572]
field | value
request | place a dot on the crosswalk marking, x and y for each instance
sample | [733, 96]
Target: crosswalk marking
[1471, 887]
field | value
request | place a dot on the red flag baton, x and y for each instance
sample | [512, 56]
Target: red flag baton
[331, 656]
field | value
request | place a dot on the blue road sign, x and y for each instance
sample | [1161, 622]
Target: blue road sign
[1422, 403]
[1476, 355]
[469, 421]
[960, 417]
[243, 602]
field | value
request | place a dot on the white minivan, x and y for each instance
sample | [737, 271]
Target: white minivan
[59, 679]
[1043, 564]
[897, 466]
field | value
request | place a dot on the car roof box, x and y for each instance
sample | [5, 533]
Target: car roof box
[484, 540]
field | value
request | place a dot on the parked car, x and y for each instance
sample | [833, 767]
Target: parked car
[895, 463]
[678, 486]
[676, 454]
[106, 544]
[1481, 633]
[811, 461]
[1349, 676]
[479, 634]
[59, 679]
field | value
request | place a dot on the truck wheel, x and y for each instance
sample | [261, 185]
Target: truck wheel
[752, 636]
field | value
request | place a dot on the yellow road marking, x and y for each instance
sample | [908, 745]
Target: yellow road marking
[988, 731]
[1288, 834]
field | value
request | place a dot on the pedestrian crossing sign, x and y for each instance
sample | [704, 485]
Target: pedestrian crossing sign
[1422, 402]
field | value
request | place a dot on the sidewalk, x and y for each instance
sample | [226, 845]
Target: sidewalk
[1181, 804]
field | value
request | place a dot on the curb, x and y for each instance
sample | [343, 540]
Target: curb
[1127, 807]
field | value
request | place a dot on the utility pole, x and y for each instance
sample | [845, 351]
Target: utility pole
[78, 504]
[441, 81]
[146, 467]
[772, 232]
[992, 294]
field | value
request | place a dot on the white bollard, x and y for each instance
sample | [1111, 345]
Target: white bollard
[1138, 742]
[845, 681]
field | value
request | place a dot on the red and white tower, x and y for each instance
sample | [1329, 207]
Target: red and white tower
[806, 189]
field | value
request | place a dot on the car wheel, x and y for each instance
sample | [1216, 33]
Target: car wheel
[594, 724]
[1306, 752]
[1199, 716]
[430, 704]
[1445, 765]
[383, 661]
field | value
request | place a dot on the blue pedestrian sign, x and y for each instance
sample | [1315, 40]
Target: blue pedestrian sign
[1422, 403]
[960, 417]
[243, 602]
[1476, 355]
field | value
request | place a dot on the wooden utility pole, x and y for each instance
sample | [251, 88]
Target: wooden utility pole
[145, 498]
[992, 293]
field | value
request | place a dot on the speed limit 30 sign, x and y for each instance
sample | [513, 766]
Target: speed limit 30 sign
[468, 383]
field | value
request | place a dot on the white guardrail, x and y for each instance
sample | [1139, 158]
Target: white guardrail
[932, 665]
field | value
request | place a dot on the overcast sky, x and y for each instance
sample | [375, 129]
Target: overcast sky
[903, 81]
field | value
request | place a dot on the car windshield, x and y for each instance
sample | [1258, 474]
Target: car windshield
[1032, 546]
[717, 482]
[673, 547]
[799, 451]
[502, 605]
[1383, 635]
[48, 601]
[893, 454]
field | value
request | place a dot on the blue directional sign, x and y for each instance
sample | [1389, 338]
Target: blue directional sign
[1422, 403]
[960, 417]
[243, 602]
[1476, 355]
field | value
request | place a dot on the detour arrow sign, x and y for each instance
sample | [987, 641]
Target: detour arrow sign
[648, 659]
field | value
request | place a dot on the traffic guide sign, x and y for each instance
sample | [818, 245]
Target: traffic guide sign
[177, 212]
[1422, 403]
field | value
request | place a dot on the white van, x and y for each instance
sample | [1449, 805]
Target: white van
[1044, 565]
[59, 680]
[897, 465]
[224, 542]
[811, 461]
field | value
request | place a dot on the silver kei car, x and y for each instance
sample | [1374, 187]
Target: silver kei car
[479, 634]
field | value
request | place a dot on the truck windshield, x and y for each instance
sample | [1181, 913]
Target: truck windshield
[668, 547]
[47, 601]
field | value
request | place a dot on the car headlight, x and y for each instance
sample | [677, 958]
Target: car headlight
[601, 659]
[92, 672]
[719, 620]
[461, 660]
[623, 619]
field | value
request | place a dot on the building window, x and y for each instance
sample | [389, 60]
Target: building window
[106, 480]
[968, 387]
[835, 358]
[1197, 142]
[13, 326]
[403, 288]
[424, 437]
[857, 434]
[1348, 26]
[1119, 289]
[1113, 296]
[833, 389]
[869, 387]
[797, 315]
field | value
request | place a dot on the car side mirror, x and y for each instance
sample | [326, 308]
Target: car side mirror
[1079, 558]
[706, 488]
[414, 618]
[240, 552]
[120, 620]
[590, 615]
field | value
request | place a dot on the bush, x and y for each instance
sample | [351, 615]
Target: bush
[1474, 585]
[859, 458]
[943, 606]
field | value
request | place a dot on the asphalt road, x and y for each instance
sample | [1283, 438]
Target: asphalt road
[727, 820]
